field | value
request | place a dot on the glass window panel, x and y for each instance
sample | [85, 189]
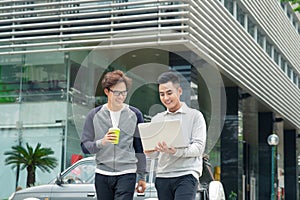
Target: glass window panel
[295, 77]
[289, 72]
[9, 138]
[294, 23]
[240, 15]
[289, 15]
[44, 136]
[229, 5]
[251, 28]
[44, 82]
[276, 56]
[260, 38]
[44, 79]
[283, 64]
[91, 4]
[38, 77]
[269, 48]
[10, 76]
[170, 10]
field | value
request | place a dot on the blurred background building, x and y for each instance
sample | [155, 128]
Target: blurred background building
[53, 53]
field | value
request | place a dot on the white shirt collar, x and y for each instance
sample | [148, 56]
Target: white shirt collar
[180, 110]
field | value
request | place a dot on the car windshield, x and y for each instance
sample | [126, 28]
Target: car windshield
[81, 174]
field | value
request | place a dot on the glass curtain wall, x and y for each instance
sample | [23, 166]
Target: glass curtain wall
[33, 94]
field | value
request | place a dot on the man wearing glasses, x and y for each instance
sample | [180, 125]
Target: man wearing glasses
[118, 163]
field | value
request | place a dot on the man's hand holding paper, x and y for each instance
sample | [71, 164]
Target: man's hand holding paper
[163, 147]
[162, 136]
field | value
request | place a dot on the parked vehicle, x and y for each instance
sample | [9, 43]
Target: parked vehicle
[77, 182]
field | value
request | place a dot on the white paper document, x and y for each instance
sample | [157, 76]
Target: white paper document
[168, 131]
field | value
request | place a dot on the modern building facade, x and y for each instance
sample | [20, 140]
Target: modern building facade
[239, 61]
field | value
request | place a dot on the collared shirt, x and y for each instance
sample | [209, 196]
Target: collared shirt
[180, 110]
[186, 160]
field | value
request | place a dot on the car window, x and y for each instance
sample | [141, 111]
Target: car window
[81, 174]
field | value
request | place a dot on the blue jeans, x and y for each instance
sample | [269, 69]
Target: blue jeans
[115, 187]
[177, 188]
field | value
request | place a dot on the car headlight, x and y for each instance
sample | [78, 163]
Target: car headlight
[11, 196]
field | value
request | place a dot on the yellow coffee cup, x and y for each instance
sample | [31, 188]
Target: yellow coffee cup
[116, 131]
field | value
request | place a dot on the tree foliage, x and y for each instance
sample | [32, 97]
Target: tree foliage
[294, 2]
[31, 159]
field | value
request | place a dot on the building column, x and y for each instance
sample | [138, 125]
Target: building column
[290, 165]
[229, 143]
[250, 137]
[265, 128]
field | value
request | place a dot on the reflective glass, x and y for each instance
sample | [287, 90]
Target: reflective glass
[33, 104]
[276, 56]
[240, 15]
[251, 28]
[283, 64]
[229, 5]
[289, 72]
[295, 77]
[38, 77]
[81, 174]
[10, 83]
[260, 38]
[269, 48]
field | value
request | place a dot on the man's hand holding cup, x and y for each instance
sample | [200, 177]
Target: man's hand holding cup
[112, 136]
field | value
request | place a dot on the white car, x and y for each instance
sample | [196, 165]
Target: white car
[76, 182]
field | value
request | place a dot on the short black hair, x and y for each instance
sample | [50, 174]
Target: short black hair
[171, 76]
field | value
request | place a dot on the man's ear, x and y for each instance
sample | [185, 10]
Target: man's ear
[106, 91]
[180, 91]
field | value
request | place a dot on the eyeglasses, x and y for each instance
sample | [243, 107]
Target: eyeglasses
[118, 93]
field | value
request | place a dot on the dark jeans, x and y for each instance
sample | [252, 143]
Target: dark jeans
[178, 188]
[115, 187]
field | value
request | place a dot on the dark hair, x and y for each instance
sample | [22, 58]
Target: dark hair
[112, 78]
[169, 76]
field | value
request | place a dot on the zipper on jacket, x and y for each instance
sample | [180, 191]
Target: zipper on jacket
[114, 165]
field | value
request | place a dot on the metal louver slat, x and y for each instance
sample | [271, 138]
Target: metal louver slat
[61, 23]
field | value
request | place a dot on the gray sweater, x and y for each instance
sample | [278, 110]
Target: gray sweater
[186, 160]
[128, 155]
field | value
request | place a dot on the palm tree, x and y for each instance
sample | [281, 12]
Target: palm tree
[31, 159]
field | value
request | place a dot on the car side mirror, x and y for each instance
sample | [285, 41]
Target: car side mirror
[58, 180]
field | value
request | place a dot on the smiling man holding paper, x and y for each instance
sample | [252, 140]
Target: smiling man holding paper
[179, 168]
